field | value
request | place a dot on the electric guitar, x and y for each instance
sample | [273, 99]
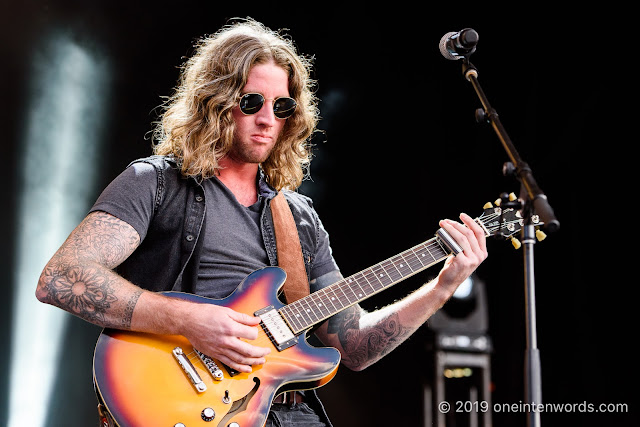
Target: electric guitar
[161, 380]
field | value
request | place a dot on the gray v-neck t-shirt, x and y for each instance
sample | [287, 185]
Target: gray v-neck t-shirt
[236, 246]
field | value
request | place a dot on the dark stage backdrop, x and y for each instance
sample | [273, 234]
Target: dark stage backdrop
[400, 151]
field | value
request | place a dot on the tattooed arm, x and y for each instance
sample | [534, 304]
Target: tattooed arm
[363, 337]
[80, 279]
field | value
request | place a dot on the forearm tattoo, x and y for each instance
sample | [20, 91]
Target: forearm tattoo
[365, 346]
[79, 278]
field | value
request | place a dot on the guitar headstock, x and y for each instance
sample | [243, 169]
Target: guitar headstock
[506, 222]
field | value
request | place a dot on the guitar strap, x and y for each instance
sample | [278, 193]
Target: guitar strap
[289, 250]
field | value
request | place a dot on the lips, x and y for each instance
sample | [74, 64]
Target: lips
[263, 138]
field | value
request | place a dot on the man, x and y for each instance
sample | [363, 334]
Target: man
[195, 218]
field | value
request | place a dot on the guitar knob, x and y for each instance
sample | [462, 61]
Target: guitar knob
[208, 414]
[516, 243]
[234, 424]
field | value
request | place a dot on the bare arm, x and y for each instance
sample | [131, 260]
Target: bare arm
[80, 279]
[363, 337]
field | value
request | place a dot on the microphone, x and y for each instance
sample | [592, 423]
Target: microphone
[454, 45]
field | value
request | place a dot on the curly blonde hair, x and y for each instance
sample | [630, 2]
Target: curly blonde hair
[197, 125]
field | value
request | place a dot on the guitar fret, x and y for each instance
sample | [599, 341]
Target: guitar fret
[379, 274]
[298, 317]
[305, 312]
[327, 299]
[342, 296]
[335, 299]
[415, 262]
[394, 274]
[404, 268]
[309, 309]
[430, 254]
[424, 256]
[290, 316]
[347, 291]
[348, 282]
[437, 247]
[366, 274]
[322, 303]
[435, 252]
[385, 277]
[318, 303]
[332, 299]
[372, 282]
[352, 288]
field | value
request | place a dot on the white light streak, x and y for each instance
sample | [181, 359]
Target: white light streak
[58, 164]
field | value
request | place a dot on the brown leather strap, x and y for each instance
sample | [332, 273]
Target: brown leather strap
[289, 250]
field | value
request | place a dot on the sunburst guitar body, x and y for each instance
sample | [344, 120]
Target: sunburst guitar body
[160, 380]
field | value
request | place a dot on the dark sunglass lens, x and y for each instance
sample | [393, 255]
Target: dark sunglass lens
[251, 103]
[284, 107]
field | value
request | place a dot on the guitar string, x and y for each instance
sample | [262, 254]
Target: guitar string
[369, 276]
[348, 283]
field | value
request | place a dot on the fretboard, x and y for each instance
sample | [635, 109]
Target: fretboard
[320, 305]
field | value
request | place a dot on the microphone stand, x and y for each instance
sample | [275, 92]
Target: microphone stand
[534, 202]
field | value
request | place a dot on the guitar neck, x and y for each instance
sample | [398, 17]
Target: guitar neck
[320, 305]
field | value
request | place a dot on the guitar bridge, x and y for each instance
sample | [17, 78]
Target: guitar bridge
[276, 328]
[189, 370]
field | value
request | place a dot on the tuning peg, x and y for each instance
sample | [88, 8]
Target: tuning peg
[540, 235]
[512, 197]
[487, 205]
[498, 202]
[516, 243]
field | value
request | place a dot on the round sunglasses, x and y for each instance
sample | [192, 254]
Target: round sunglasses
[283, 107]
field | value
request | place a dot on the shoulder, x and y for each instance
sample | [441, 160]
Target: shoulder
[299, 201]
[303, 210]
[157, 163]
[165, 169]
[165, 173]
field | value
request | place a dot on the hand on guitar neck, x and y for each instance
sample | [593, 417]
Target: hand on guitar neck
[471, 238]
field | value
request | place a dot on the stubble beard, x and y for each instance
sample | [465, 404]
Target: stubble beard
[244, 153]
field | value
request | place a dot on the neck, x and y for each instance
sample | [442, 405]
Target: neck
[240, 179]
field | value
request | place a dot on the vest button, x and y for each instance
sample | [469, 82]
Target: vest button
[189, 237]
[199, 198]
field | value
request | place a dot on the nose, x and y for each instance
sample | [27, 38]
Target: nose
[265, 116]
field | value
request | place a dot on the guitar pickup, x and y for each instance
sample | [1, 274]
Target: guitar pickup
[276, 328]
